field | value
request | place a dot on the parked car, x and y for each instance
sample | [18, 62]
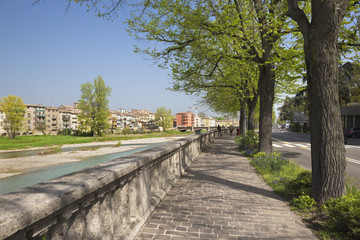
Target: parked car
[354, 132]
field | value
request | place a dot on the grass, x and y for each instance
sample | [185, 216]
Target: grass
[24, 142]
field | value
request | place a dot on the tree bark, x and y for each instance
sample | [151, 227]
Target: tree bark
[321, 57]
[251, 104]
[243, 120]
[266, 91]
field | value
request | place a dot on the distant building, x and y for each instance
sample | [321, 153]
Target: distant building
[112, 119]
[52, 121]
[226, 123]
[143, 116]
[209, 122]
[350, 115]
[198, 121]
[68, 117]
[185, 119]
[35, 114]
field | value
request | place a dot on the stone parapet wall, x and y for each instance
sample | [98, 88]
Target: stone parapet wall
[108, 201]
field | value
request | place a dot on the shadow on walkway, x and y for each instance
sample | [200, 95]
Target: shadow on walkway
[220, 196]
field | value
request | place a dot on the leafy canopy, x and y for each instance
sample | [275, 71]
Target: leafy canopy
[163, 117]
[14, 109]
[94, 106]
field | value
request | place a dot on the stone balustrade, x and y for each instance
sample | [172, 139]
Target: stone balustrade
[108, 201]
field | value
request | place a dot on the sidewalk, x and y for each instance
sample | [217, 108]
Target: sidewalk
[221, 197]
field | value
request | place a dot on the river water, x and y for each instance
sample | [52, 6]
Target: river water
[38, 175]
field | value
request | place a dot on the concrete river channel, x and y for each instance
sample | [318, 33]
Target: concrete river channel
[38, 175]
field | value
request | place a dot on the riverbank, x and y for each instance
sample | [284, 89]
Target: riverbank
[31, 142]
[14, 166]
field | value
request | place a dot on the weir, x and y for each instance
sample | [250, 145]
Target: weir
[108, 201]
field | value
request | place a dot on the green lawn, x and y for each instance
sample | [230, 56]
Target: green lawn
[23, 142]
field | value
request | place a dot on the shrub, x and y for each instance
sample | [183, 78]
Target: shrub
[301, 184]
[344, 215]
[303, 202]
[64, 132]
[272, 162]
[295, 127]
[126, 131]
[249, 143]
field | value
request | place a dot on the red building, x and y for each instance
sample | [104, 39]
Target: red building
[185, 119]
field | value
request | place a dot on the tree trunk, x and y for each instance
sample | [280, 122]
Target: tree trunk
[243, 120]
[266, 92]
[251, 103]
[321, 57]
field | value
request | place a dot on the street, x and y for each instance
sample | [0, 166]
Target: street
[296, 146]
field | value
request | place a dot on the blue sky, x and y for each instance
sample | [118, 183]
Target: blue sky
[46, 53]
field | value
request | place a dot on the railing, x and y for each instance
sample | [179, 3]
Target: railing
[108, 201]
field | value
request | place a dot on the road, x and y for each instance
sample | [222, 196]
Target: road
[296, 146]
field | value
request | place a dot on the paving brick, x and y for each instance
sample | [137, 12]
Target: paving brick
[220, 196]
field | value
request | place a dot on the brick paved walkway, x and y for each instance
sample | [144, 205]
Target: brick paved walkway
[221, 197]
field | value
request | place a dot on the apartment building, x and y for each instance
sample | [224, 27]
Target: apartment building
[68, 117]
[185, 119]
[35, 115]
[112, 119]
[143, 116]
[199, 122]
[52, 122]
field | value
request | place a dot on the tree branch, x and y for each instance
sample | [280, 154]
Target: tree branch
[298, 15]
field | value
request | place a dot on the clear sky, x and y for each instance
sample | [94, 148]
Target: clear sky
[46, 53]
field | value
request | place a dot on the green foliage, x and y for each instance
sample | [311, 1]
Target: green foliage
[303, 202]
[301, 184]
[248, 143]
[286, 177]
[272, 162]
[344, 215]
[94, 107]
[163, 118]
[64, 132]
[291, 105]
[218, 47]
[349, 82]
[126, 130]
[14, 109]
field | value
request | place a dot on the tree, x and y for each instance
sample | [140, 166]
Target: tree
[349, 82]
[248, 30]
[42, 127]
[14, 109]
[321, 48]
[230, 79]
[94, 106]
[163, 118]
